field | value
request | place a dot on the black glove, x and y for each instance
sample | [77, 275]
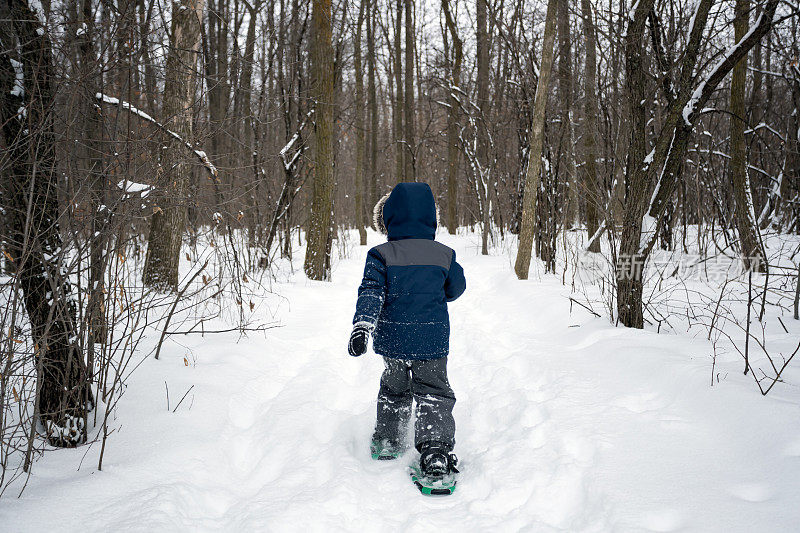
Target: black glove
[358, 341]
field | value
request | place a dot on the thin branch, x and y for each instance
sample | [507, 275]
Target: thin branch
[201, 155]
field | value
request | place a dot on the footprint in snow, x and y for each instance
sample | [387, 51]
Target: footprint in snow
[752, 492]
[242, 406]
[639, 403]
[663, 520]
[793, 449]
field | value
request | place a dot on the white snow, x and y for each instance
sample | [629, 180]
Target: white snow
[19, 79]
[131, 187]
[690, 106]
[649, 158]
[288, 164]
[565, 423]
[597, 233]
[38, 10]
[632, 12]
[289, 144]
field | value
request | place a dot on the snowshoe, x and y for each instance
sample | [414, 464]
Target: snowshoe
[436, 472]
[385, 449]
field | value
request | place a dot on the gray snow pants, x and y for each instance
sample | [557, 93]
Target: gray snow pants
[425, 382]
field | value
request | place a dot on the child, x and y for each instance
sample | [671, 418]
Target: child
[402, 302]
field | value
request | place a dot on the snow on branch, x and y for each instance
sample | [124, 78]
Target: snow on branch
[19, 79]
[144, 116]
[289, 144]
[131, 187]
[597, 233]
[732, 56]
[289, 163]
[767, 127]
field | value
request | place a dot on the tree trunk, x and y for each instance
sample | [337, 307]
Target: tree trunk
[359, 125]
[408, 93]
[452, 122]
[566, 152]
[149, 96]
[629, 285]
[482, 135]
[373, 109]
[790, 187]
[34, 238]
[591, 111]
[618, 150]
[92, 133]
[321, 90]
[215, 55]
[247, 149]
[397, 115]
[523, 261]
[126, 17]
[750, 246]
[169, 220]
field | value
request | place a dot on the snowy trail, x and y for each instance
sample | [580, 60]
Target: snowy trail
[564, 423]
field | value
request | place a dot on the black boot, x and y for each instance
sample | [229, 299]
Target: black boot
[436, 460]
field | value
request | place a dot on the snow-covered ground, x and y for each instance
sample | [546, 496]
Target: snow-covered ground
[565, 423]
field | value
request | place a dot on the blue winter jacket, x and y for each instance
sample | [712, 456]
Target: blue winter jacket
[409, 280]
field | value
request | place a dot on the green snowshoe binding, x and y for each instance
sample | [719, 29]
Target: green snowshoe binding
[436, 472]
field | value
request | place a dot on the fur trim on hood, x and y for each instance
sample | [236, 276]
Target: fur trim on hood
[377, 215]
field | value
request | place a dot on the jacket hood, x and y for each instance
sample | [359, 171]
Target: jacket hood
[408, 212]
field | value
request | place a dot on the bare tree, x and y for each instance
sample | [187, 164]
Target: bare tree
[169, 220]
[409, 144]
[452, 119]
[372, 97]
[319, 224]
[591, 111]
[397, 109]
[523, 261]
[482, 154]
[565, 162]
[359, 125]
[34, 233]
[652, 176]
[750, 242]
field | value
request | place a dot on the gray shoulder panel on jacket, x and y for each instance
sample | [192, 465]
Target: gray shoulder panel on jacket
[416, 252]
